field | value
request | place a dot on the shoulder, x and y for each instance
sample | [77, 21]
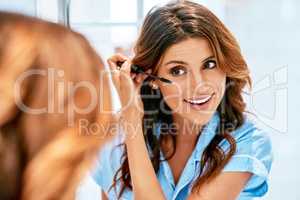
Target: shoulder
[253, 154]
[250, 137]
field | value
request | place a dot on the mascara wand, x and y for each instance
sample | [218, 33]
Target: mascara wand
[137, 69]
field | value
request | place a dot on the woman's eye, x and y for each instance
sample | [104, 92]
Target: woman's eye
[210, 64]
[177, 71]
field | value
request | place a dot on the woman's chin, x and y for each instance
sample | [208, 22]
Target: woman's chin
[196, 118]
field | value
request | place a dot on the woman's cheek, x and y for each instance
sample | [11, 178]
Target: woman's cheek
[172, 96]
[220, 88]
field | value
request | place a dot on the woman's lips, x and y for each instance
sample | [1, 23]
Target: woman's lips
[200, 102]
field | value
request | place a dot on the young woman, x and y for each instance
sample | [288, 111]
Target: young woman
[188, 139]
[42, 155]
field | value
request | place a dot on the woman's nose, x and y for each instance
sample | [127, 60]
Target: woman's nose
[198, 85]
[196, 80]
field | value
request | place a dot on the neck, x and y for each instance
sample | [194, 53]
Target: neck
[187, 131]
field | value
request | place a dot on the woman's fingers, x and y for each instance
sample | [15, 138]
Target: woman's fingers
[115, 74]
[127, 86]
[122, 78]
[125, 68]
[118, 57]
[139, 79]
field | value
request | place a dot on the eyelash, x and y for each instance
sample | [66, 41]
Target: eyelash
[210, 61]
[177, 68]
[205, 66]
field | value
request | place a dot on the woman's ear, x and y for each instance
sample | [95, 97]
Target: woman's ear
[153, 84]
[8, 108]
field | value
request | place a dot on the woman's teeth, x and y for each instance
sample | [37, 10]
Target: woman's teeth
[199, 101]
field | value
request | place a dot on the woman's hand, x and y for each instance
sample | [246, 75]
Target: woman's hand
[128, 86]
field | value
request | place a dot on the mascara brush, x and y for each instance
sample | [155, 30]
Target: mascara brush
[137, 69]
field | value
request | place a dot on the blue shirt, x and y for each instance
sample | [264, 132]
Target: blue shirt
[253, 155]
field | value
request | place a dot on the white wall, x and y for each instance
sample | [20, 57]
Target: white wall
[25, 6]
[268, 32]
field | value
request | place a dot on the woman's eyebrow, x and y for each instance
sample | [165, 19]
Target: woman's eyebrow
[176, 62]
[185, 63]
[208, 58]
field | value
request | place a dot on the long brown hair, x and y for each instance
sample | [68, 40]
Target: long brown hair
[45, 151]
[163, 27]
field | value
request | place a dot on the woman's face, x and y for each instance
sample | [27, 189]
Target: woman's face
[198, 83]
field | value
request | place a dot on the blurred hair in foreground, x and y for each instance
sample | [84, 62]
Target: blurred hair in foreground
[42, 156]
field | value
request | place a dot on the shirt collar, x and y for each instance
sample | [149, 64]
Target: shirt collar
[208, 133]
